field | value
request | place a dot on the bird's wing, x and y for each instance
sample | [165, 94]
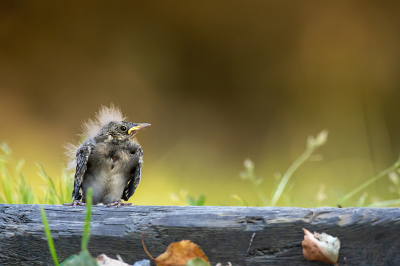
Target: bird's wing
[82, 157]
[134, 178]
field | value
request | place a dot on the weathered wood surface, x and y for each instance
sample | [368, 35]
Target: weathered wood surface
[369, 236]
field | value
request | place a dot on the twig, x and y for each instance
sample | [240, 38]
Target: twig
[251, 242]
[145, 249]
[121, 261]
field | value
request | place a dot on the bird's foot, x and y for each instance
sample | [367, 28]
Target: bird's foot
[118, 203]
[74, 203]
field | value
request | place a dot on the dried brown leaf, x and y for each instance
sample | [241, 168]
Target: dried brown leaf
[321, 247]
[178, 253]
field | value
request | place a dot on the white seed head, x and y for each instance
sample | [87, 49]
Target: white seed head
[394, 177]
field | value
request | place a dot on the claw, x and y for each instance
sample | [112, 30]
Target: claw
[118, 203]
[74, 203]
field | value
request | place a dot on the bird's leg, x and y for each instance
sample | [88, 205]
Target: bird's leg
[118, 203]
[74, 203]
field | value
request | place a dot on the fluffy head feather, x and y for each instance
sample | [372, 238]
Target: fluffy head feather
[70, 153]
[105, 115]
[91, 128]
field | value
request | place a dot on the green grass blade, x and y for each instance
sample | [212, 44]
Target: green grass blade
[6, 178]
[288, 175]
[312, 145]
[255, 181]
[369, 182]
[201, 201]
[66, 185]
[86, 228]
[239, 199]
[5, 148]
[385, 203]
[60, 186]
[49, 238]
[25, 191]
[51, 186]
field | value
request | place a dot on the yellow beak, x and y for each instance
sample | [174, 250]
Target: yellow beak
[137, 128]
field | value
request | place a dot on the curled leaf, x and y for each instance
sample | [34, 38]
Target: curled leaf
[321, 247]
[178, 253]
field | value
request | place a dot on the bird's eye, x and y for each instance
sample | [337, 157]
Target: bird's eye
[123, 128]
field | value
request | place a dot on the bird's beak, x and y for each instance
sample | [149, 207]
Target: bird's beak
[137, 128]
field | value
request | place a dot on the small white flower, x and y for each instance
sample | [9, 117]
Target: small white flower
[248, 164]
[394, 177]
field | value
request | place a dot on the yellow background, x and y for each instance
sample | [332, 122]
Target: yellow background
[220, 81]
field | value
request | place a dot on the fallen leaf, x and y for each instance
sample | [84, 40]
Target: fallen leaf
[197, 262]
[321, 247]
[83, 259]
[107, 261]
[178, 253]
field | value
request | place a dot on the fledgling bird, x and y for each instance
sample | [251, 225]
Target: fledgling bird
[109, 160]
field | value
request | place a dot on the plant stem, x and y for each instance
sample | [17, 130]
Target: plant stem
[6, 182]
[369, 182]
[285, 179]
[49, 238]
[260, 193]
[384, 203]
[86, 227]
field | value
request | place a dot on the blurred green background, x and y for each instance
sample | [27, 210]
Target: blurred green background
[220, 81]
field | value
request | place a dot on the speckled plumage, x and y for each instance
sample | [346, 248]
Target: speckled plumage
[109, 160]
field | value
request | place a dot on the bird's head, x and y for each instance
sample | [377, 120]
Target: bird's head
[121, 130]
[109, 125]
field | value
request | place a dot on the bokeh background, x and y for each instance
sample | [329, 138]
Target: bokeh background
[220, 81]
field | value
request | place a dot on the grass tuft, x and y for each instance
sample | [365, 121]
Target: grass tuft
[281, 182]
[312, 145]
[183, 198]
[84, 258]
[57, 194]
[14, 188]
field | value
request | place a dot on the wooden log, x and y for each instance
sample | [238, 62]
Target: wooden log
[369, 236]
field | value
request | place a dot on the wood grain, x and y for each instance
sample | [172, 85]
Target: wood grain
[369, 236]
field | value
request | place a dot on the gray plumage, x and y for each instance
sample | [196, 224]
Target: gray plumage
[109, 160]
